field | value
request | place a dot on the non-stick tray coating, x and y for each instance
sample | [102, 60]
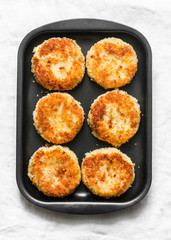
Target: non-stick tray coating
[86, 32]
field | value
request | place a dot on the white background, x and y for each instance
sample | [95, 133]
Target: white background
[149, 219]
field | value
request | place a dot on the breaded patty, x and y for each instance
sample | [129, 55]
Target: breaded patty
[54, 171]
[58, 64]
[111, 63]
[58, 117]
[114, 117]
[107, 172]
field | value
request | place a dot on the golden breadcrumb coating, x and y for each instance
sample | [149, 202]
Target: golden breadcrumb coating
[107, 172]
[58, 64]
[111, 63]
[114, 117]
[54, 171]
[58, 117]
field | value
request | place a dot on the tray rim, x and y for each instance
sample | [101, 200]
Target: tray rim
[87, 208]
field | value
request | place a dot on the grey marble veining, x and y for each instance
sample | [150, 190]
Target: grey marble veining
[19, 219]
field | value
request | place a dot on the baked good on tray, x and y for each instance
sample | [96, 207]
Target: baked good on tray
[111, 63]
[107, 172]
[58, 64]
[54, 170]
[58, 117]
[114, 117]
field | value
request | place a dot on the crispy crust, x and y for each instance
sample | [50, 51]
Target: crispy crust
[54, 171]
[58, 64]
[111, 63]
[114, 117]
[107, 172]
[58, 117]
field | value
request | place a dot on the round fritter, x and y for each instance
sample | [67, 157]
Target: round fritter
[58, 117]
[114, 117]
[54, 171]
[107, 172]
[111, 63]
[58, 64]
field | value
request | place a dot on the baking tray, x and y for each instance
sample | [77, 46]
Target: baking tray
[86, 32]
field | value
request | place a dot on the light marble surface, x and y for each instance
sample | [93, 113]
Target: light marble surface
[149, 219]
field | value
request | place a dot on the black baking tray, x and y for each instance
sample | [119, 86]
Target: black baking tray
[86, 32]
